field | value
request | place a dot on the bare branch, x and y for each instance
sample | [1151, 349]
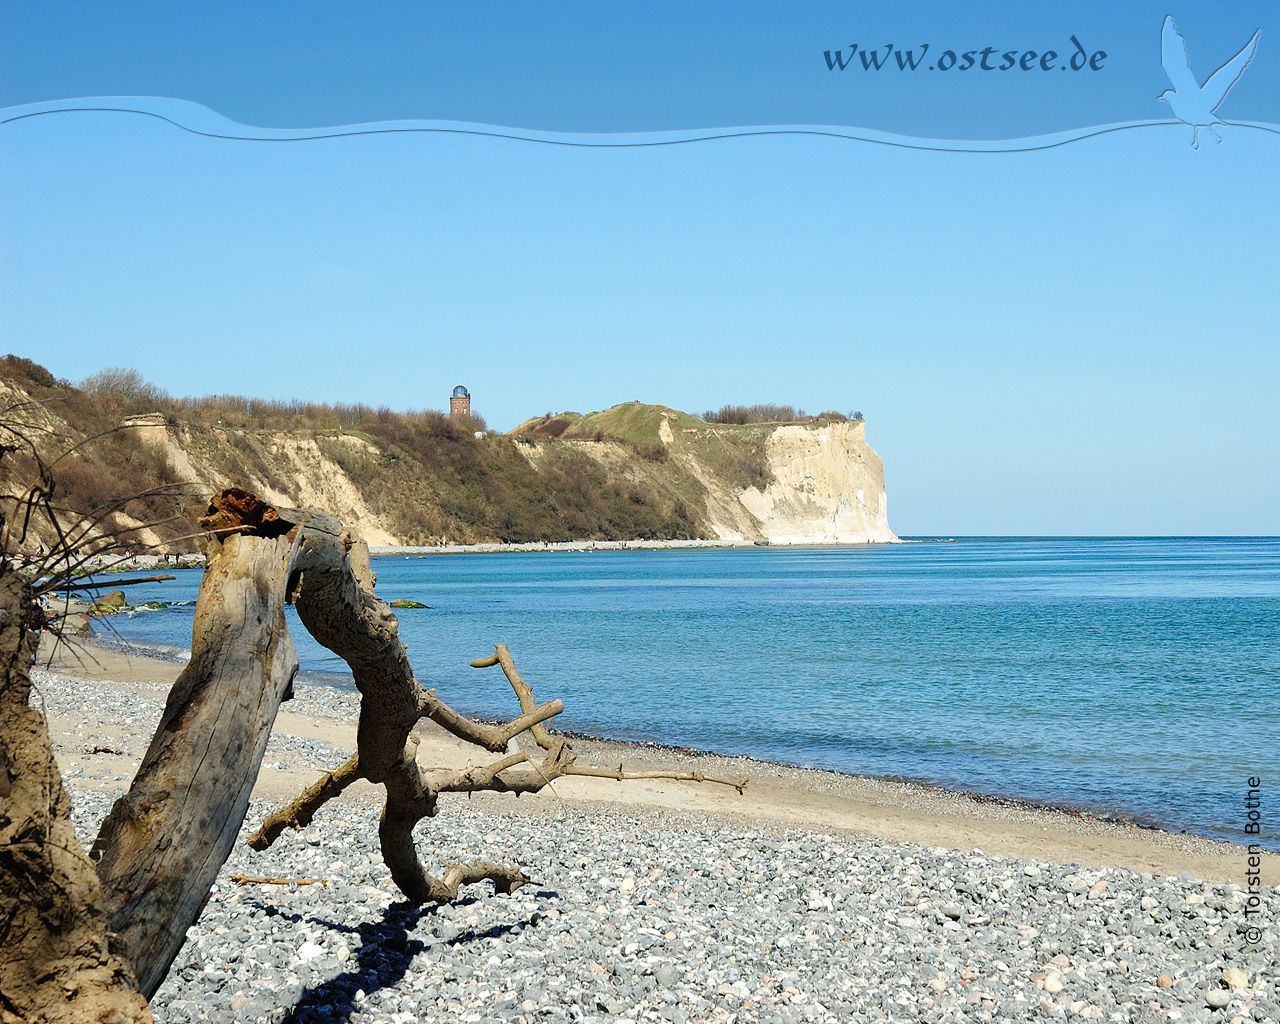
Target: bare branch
[492, 737]
[259, 880]
[524, 692]
[473, 778]
[104, 584]
[298, 814]
[619, 776]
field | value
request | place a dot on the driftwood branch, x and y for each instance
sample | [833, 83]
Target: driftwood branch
[524, 692]
[259, 880]
[166, 839]
[619, 775]
[492, 737]
[413, 792]
[298, 814]
[112, 584]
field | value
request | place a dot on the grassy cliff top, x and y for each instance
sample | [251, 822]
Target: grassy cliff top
[629, 421]
[420, 476]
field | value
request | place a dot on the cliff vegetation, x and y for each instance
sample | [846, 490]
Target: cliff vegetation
[634, 471]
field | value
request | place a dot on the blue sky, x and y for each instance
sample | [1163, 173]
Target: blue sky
[1075, 341]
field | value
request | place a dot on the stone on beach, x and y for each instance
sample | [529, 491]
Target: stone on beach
[1235, 978]
[653, 913]
[109, 603]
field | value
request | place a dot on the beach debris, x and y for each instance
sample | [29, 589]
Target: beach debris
[255, 879]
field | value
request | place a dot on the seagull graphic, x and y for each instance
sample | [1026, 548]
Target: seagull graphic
[1191, 102]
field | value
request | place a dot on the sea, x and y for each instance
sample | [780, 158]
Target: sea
[1137, 678]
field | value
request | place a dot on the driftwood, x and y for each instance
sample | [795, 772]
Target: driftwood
[345, 617]
[90, 938]
[260, 880]
[164, 842]
[113, 584]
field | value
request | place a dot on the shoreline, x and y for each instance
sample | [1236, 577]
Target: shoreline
[134, 563]
[811, 900]
[785, 795]
[408, 550]
[489, 548]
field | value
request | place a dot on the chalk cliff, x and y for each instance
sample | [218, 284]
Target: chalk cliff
[827, 487]
[634, 471]
[812, 482]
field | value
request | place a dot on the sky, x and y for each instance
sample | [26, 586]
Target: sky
[1079, 340]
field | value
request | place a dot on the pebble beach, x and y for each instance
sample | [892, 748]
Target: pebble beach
[649, 903]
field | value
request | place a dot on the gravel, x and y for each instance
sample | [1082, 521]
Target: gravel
[645, 914]
[658, 917]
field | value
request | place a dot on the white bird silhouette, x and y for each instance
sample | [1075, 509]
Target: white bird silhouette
[1191, 102]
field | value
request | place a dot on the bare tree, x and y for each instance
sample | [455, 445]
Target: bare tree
[164, 842]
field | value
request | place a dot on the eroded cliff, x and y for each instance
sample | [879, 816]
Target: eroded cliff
[634, 471]
[812, 482]
[827, 487]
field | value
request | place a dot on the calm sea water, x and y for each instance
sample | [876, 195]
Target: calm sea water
[1139, 676]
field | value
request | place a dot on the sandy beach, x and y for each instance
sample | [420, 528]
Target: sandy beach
[812, 897]
[778, 794]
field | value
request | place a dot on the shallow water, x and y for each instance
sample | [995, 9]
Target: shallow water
[1140, 676]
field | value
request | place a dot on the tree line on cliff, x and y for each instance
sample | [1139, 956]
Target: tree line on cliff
[428, 477]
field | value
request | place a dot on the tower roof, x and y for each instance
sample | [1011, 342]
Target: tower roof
[461, 392]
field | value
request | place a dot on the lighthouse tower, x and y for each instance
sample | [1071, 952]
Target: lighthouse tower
[459, 403]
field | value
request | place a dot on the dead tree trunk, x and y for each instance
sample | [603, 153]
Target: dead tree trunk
[165, 841]
[55, 964]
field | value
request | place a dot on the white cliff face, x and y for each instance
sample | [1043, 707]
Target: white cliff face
[825, 484]
[305, 477]
[827, 488]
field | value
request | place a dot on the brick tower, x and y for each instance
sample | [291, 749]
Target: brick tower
[459, 403]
